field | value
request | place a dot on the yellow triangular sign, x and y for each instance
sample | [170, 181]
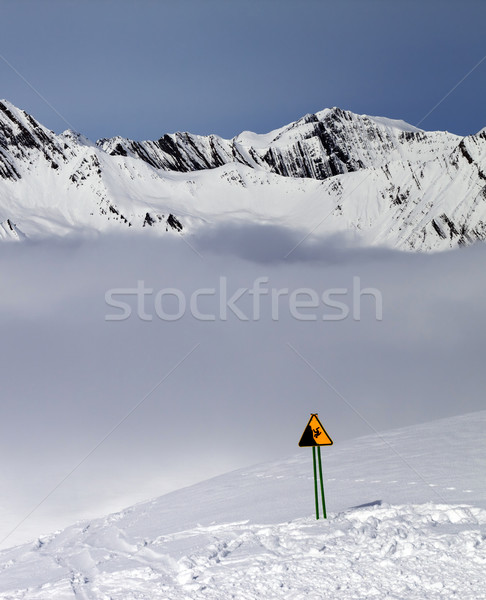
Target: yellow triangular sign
[314, 434]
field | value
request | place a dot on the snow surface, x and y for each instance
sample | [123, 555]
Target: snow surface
[394, 123]
[406, 520]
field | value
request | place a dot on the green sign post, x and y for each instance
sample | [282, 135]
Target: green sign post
[316, 436]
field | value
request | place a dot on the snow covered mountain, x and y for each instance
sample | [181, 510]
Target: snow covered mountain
[380, 180]
[406, 519]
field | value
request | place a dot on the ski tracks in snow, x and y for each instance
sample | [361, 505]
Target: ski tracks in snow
[413, 552]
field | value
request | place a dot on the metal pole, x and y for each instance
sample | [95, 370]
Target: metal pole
[322, 484]
[315, 481]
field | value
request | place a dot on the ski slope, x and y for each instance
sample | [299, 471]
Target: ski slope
[406, 520]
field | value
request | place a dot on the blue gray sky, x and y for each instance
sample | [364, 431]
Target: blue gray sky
[141, 68]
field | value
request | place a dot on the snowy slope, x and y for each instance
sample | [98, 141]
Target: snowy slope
[381, 180]
[406, 519]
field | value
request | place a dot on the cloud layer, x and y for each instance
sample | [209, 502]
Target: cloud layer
[216, 395]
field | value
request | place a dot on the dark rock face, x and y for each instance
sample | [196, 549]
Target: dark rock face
[171, 222]
[174, 223]
[10, 231]
[316, 146]
[20, 135]
[148, 220]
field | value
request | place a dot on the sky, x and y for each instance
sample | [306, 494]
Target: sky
[147, 406]
[143, 68]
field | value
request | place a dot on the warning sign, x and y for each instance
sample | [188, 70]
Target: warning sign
[314, 434]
